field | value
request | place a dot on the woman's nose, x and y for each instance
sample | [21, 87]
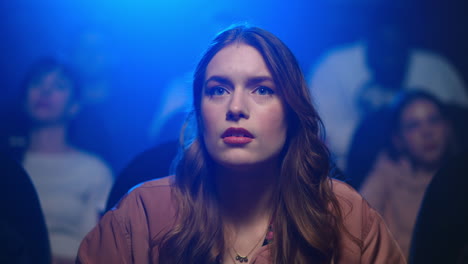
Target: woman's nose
[237, 106]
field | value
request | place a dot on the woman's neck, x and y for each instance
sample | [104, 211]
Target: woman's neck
[49, 139]
[246, 199]
[246, 196]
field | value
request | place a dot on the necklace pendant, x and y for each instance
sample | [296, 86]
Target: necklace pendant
[242, 259]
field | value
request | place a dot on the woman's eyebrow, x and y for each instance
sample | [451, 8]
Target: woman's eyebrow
[219, 79]
[259, 79]
[250, 81]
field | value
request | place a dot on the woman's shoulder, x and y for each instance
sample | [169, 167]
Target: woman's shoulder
[344, 190]
[357, 215]
[148, 205]
[150, 196]
[143, 214]
[157, 185]
[159, 189]
[367, 239]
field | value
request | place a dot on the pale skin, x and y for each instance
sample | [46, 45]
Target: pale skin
[50, 105]
[423, 137]
[239, 92]
[422, 140]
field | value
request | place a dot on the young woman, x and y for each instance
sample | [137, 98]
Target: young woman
[419, 142]
[251, 184]
[72, 185]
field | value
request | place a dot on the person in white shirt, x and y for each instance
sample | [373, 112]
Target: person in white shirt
[72, 185]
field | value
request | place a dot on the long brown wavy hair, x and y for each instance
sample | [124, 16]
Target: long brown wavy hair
[307, 223]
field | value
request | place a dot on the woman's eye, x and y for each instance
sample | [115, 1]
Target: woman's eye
[217, 91]
[263, 90]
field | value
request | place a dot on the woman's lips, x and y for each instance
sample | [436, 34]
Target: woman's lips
[237, 136]
[237, 140]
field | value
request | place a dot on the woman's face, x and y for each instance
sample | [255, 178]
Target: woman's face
[424, 132]
[49, 99]
[243, 116]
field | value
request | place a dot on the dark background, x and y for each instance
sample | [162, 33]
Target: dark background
[149, 43]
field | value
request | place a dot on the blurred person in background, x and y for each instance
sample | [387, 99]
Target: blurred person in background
[371, 136]
[355, 80]
[72, 184]
[419, 141]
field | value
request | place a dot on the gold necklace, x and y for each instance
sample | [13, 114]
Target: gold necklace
[245, 258]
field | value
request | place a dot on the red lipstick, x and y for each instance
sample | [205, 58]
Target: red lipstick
[237, 136]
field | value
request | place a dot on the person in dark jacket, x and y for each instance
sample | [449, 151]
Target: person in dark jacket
[23, 233]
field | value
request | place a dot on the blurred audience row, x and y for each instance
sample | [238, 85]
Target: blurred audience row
[394, 115]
